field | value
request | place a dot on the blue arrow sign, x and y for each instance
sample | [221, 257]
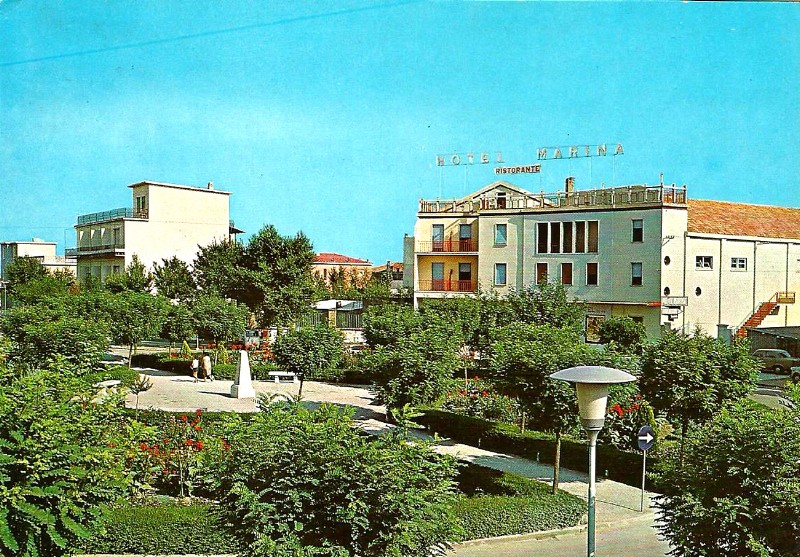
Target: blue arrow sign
[645, 437]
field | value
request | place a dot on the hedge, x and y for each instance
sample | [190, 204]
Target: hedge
[496, 503]
[621, 466]
[163, 527]
[123, 373]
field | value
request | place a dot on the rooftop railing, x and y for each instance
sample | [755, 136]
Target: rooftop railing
[600, 198]
[113, 214]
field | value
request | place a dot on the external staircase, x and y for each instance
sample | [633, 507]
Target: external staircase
[757, 317]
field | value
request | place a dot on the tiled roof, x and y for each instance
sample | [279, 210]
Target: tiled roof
[396, 266]
[741, 219]
[335, 258]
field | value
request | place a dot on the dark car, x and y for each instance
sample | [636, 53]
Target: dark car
[775, 360]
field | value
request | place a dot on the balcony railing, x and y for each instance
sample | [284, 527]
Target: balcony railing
[101, 248]
[599, 198]
[442, 285]
[113, 214]
[456, 245]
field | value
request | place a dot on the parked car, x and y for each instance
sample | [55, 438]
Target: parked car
[795, 374]
[778, 361]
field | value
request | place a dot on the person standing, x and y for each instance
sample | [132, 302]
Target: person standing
[195, 368]
[207, 367]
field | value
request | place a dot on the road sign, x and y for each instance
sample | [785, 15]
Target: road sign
[646, 437]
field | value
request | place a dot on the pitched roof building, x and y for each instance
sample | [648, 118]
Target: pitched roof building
[648, 252]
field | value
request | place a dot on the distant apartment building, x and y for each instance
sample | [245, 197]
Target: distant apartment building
[648, 252]
[44, 252]
[353, 271]
[164, 220]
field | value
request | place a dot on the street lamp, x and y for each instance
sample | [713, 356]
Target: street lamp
[591, 383]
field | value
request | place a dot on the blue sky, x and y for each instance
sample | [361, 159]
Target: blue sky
[327, 117]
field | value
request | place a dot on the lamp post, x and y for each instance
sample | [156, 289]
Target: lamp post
[591, 384]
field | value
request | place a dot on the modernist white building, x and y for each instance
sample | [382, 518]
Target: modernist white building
[164, 220]
[648, 252]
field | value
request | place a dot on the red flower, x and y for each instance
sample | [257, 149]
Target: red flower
[197, 428]
[198, 446]
[618, 410]
[143, 446]
[184, 418]
[198, 411]
[485, 393]
[188, 442]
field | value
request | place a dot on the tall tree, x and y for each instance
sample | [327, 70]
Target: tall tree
[136, 316]
[218, 319]
[136, 278]
[546, 303]
[689, 378]
[218, 269]
[277, 275]
[174, 280]
[29, 282]
[309, 351]
[523, 357]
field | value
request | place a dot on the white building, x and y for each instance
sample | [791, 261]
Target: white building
[44, 252]
[164, 220]
[648, 252]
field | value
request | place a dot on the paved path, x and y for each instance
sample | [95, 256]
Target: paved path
[618, 517]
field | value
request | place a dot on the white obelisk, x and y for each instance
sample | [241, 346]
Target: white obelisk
[243, 384]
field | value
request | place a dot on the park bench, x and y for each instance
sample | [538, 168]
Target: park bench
[287, 374]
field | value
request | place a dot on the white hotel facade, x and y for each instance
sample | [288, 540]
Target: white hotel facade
[648, 252]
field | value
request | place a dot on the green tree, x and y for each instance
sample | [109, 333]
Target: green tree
[546, 304]
[41, 333]
[218, 319]
[218, 270]
[277, 276]
[174, 280]
[416, 369]
[136, 316]
[689, 378]
[59, 461]
[178, 324]
[523, 357]
[30, 282]
[626, 334]
[310, 352]
[739, 492]
[136, 278]
[386, 325]
[299, 483]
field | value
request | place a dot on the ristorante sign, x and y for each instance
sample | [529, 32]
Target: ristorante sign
[521, 169]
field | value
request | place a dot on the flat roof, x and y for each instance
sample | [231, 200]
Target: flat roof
[177, 186]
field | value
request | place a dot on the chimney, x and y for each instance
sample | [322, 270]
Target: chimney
[569, 184]
[211, 185]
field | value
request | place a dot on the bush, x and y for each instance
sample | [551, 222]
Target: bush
[125, 374]
[477, 398]
[626, 334]
[621, 466]
[300, 482]
[160, 527]
[313, 353]
[491, 516]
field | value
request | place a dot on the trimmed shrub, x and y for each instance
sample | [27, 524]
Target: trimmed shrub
[490, 516]
[163, 527]
[621, 466]
[125, 374]
[224, 371]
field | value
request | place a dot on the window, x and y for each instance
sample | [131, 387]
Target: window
[593, 239]
[638, 231]
[501, 200]
[500, 234]
[541, 273]
[465, 277]
[566, 245]
[555, 237]
[738, 263]
[141, 204]
[566, 274]
[666, 291]
[667, 260]
[437, 237]
[499, 274]
[465, 237]
[636, 274]
[541, 237]
[637, 319]
[703, 262]
[591, 274]
[437, 276]
[580, 237]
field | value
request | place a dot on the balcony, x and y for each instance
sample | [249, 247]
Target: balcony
[101, 249]
[442, 285]
[113, 214]
[448, 246]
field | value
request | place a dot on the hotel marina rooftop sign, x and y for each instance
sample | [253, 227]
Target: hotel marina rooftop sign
[543, 153]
